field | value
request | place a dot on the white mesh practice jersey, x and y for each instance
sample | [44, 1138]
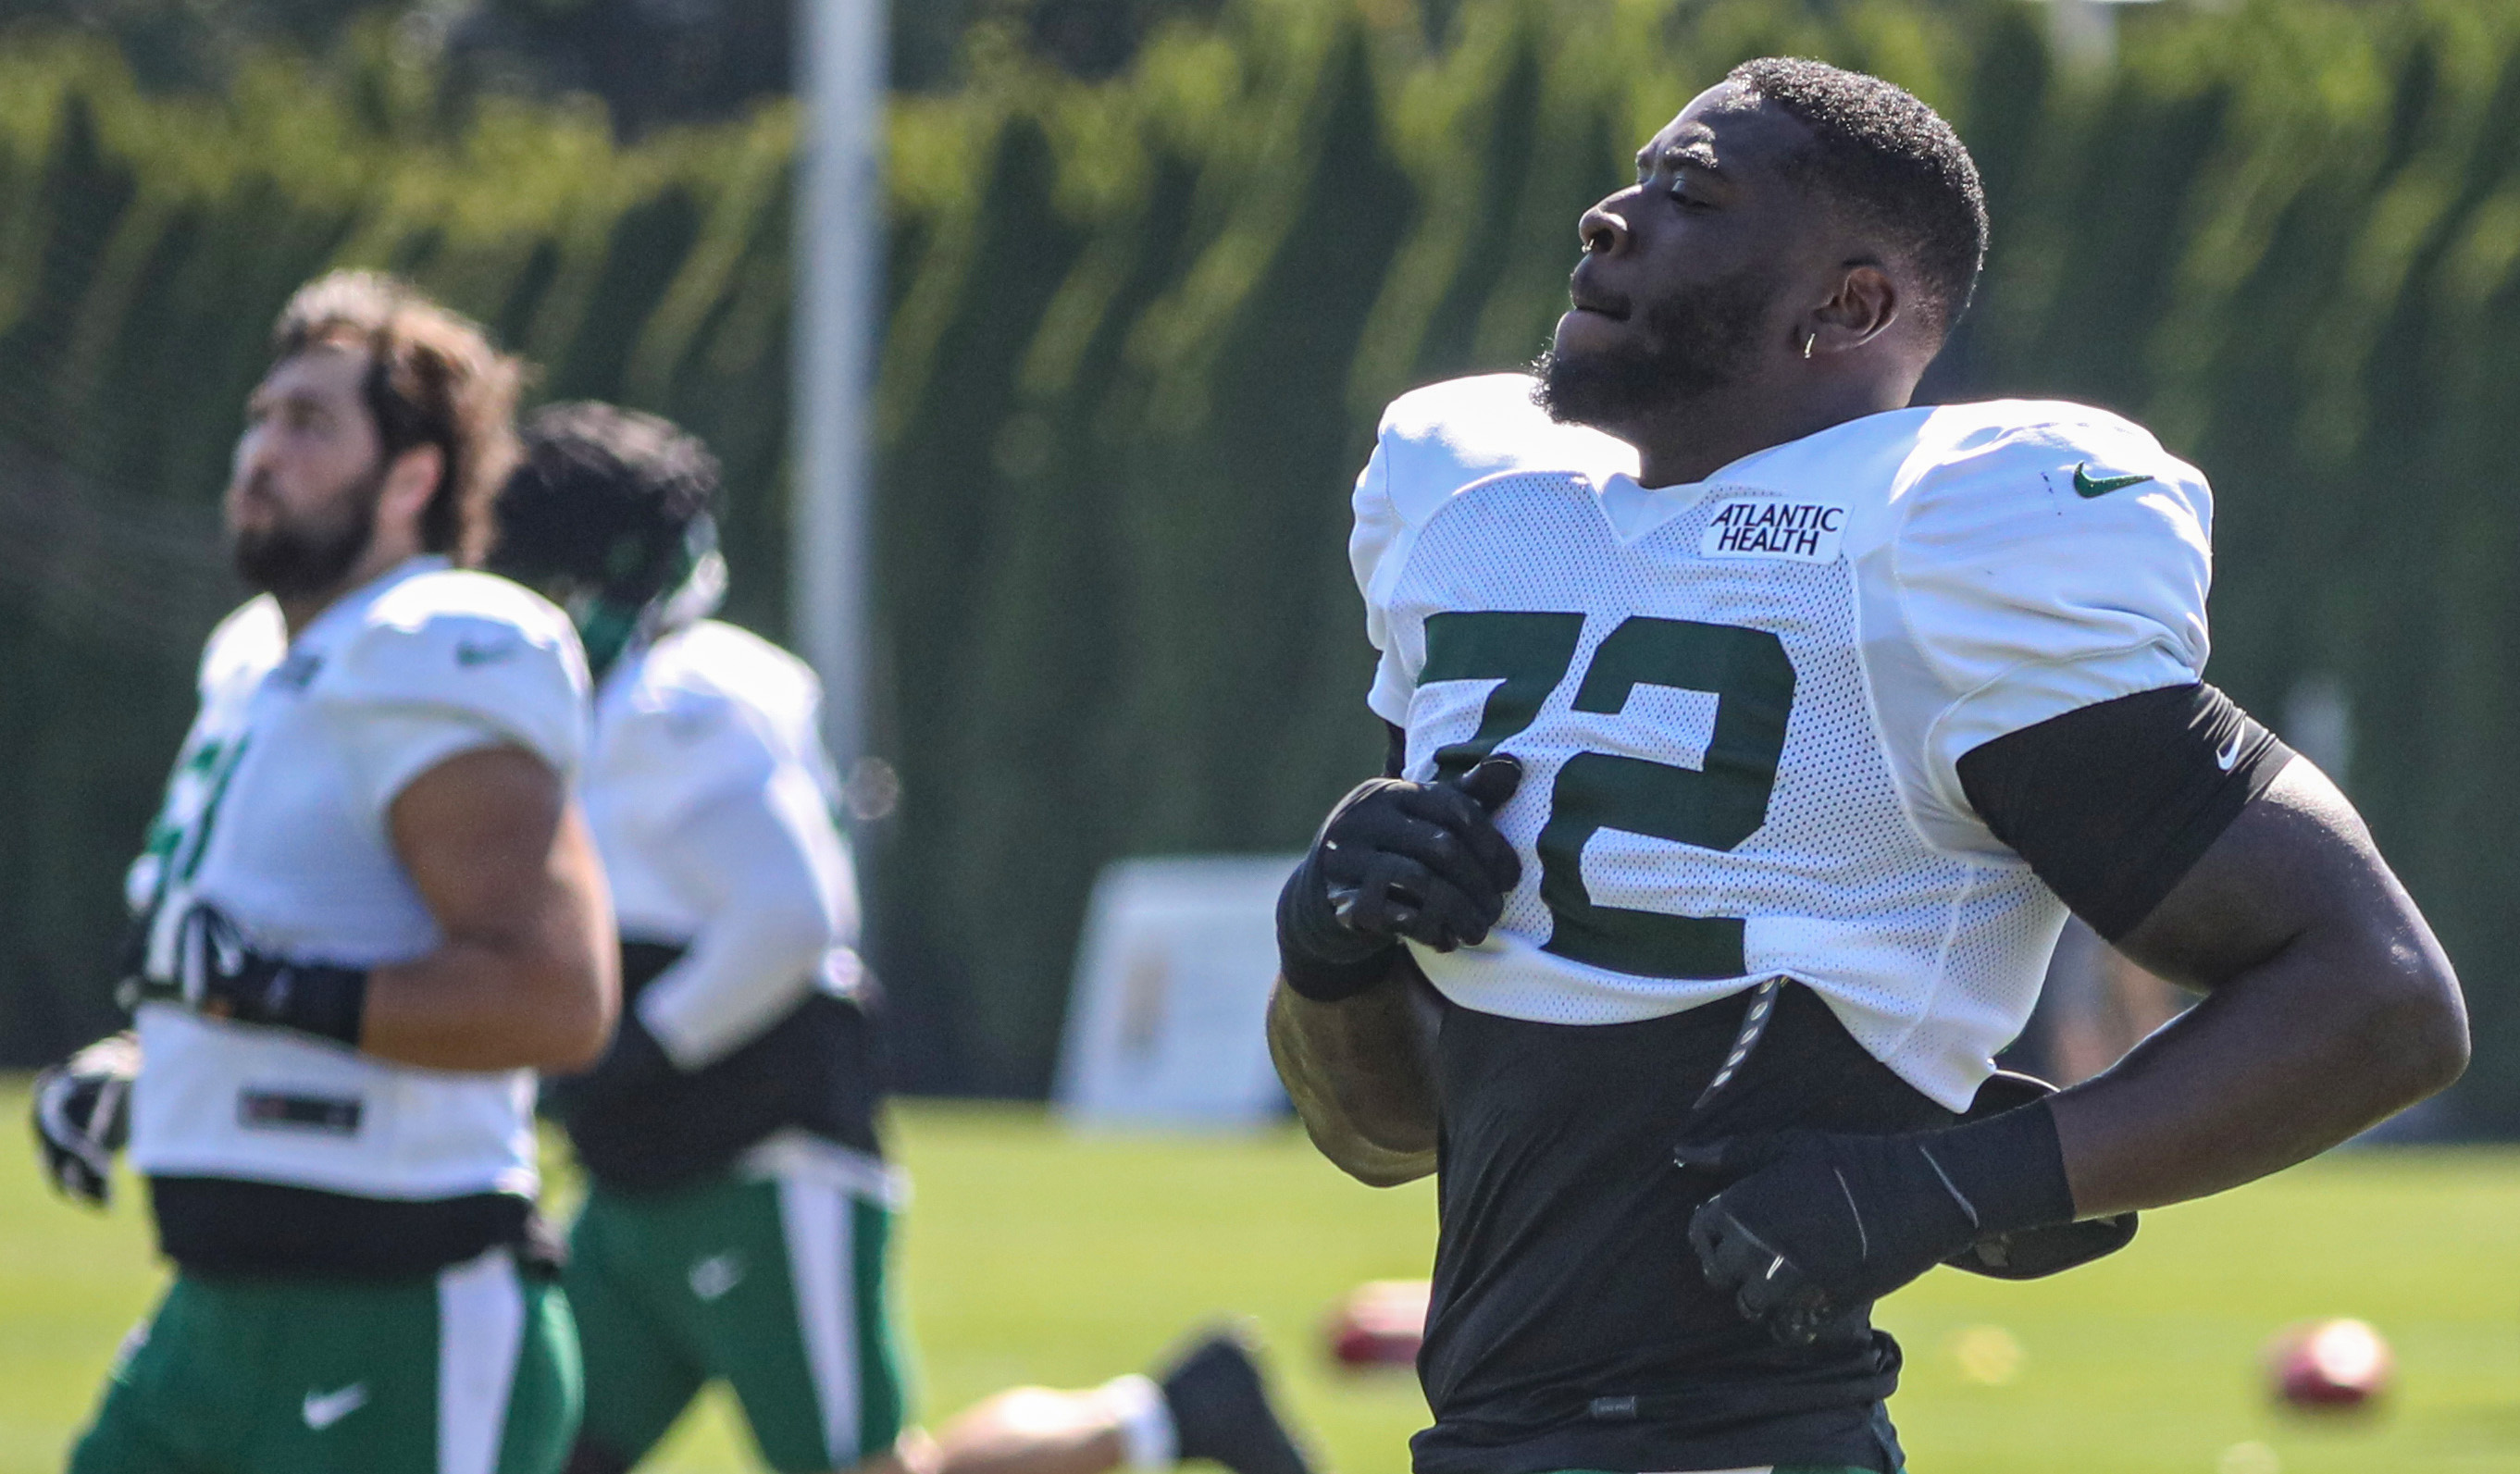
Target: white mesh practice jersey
[1739, 703]
[277, 814]
[710, 797]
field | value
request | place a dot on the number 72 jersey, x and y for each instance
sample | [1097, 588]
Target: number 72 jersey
[1739, 703]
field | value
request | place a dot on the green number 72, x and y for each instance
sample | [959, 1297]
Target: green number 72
[1715, 807]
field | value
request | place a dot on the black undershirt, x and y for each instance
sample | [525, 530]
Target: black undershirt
[228, 1229]
[1565, 1283]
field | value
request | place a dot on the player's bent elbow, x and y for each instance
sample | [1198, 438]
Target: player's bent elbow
[578, 1050]
[1396, 1173]
[2413, 1027]
[1375, 1134]
[1347, 1138]
[580, 1006]
[1373, 1165]
[573, 1044]
[2436, 1044]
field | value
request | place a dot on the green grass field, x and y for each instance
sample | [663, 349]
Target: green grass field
[1037, 1255]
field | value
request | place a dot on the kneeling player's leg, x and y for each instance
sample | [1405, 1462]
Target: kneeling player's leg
[627, 1263]
[1039, 1430]
[1211, 1402]
[800, 1323]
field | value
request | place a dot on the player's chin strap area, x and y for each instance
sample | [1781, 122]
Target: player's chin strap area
[629, 613]
[2034, 1253]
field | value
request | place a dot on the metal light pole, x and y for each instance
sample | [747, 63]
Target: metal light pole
[2086, 31]
[837, 252]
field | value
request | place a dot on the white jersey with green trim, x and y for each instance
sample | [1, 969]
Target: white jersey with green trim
[277, 814]
[1739, 703]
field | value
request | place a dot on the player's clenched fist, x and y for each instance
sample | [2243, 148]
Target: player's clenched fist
[1397, 859]
[1814, 1226]
[82, 1111]
[219, 976]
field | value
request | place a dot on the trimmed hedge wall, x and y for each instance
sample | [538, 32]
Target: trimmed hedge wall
[1139, 333]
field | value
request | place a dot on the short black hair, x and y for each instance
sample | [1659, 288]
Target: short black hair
[1893, 163]
[602, 494]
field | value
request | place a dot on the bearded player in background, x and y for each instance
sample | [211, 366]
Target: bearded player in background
[370, 911]
[740, 1206]
[1751, 735]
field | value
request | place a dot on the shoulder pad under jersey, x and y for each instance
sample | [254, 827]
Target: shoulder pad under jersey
[1436, 440]
[251, 640]
[711, 707]
[2039, 556]
[467, 644]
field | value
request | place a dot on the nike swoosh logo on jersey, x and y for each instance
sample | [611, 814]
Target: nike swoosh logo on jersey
[322, 1410]
[468, 653]
[2230, 757]
[2086, 486]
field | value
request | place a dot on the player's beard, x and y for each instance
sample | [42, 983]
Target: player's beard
[1693, 345]
[310, 554]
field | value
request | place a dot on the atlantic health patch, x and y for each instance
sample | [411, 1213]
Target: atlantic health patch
[1803, 532]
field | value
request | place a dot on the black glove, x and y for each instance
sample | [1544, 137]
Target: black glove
[218, 976]
[82, 1112]
[2051, 1249]
[1395, 859]
[1815, 1226]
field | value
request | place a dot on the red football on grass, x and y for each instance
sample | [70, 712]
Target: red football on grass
[1379, 1324]
[2329, 1364]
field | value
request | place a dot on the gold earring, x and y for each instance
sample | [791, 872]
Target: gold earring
[1807, 343]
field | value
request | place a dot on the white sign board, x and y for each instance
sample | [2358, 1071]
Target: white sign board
[1166, 1026]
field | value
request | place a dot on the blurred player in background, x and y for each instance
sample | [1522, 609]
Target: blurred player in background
[739, 1207]
[1751, 733]
[370, 909]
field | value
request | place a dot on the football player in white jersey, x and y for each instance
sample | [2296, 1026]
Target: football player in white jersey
[1751, 735]
[740, 1204]
[371, 911]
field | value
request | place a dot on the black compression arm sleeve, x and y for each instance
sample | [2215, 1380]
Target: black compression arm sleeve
[2113, 803]
[1395, 750]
